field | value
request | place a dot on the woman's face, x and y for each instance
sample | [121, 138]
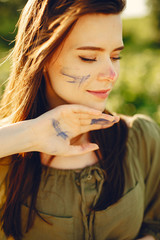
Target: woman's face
[85, 67]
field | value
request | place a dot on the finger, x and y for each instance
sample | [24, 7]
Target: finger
[102, 116]
[83, 109]
[97, 121]
[81, 149]
[104, 120]
[86, 119]
[88, 128]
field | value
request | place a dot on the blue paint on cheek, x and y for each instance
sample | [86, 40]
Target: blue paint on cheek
[58, 130]
[73, 77]
[76, 79]
[83, 79]
[99, 121]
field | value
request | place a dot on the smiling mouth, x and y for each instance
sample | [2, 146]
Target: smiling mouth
[100, 93]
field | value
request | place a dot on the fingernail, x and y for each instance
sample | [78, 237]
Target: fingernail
[96, 147]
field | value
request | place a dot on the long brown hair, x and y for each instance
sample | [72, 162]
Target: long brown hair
[43, 26]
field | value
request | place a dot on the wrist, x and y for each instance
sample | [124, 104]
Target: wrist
[24, 137]
[16, 138]
[30, 142]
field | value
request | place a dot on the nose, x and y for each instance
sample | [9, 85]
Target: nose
[108, 74]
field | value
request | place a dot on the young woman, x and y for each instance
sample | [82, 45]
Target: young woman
[70, 169]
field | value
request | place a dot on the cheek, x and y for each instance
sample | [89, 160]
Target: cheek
[74, 78]
[52, 70]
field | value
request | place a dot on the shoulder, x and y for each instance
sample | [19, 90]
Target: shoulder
[137, 119]
[143, 125]
[144, 142]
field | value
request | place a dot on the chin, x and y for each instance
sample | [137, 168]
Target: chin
[99, 107]
[96, 107]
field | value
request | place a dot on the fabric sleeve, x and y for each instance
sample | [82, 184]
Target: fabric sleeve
[148, 150]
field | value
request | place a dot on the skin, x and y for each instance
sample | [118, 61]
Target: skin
[76, 79]
[77, 66]
[99, 120]
[97, 38]
[87, 60]
[58, 130]
[148, 237]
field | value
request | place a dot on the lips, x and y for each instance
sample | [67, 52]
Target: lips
[100, 93]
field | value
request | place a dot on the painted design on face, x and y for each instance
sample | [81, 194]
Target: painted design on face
[76, 79]
[99, 121]
[58, 129]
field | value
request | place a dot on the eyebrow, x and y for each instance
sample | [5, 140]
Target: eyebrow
[98, 48]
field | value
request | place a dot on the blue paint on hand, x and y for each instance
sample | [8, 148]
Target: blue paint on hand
[101, 121]
[63, 135]
[58, 129]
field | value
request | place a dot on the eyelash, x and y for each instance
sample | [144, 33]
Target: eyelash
[94, 59]
[87, 59]
[116, 58]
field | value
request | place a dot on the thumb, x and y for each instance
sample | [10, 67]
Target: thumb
[81, 149]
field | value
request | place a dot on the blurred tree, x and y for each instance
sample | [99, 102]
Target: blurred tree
[9, 14]
[15, 3]
[155, 12]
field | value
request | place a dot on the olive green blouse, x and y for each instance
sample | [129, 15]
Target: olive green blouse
[65, 197]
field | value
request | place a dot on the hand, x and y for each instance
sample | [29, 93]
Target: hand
[54, 129]
[148, 237]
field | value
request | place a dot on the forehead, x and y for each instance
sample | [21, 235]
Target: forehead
[97, 29]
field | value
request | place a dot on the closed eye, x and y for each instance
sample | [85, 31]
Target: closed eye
[116, 58]
[87, 59]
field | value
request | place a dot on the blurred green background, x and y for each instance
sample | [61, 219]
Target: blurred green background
[138, 87]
